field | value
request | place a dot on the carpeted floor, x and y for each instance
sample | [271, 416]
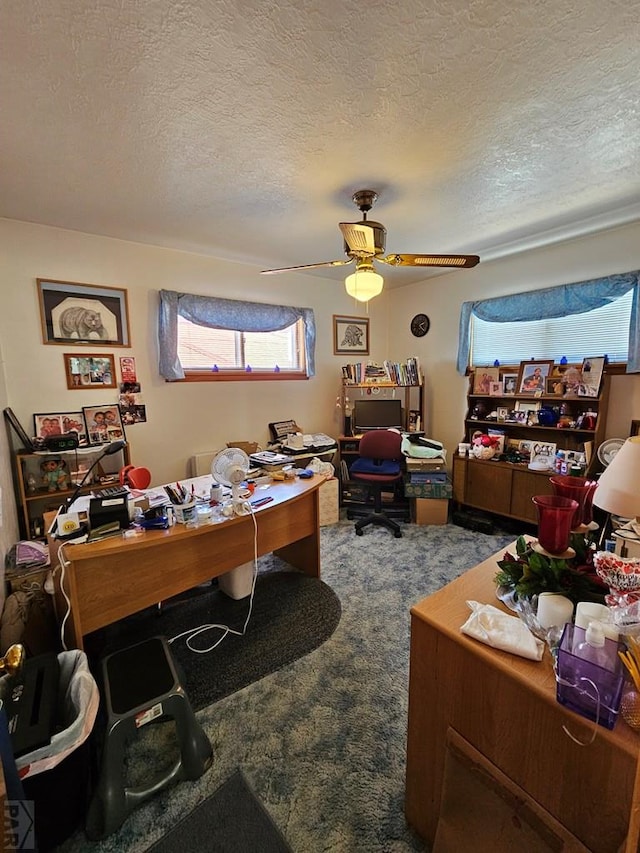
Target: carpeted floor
[322, 740]
[291, 615]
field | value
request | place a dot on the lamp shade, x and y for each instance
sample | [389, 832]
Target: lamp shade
[618, 489]
[364, 284]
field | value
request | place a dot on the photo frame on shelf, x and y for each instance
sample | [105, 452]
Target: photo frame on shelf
[47, 424]
[89, 370]
[554, 386]
[103, 424]
[483, 377]
[509, 383]
[495, 389]
[502, 413]
[532, 376]
[592, 370]
[350, 335]
[73, 313]
[530, 410]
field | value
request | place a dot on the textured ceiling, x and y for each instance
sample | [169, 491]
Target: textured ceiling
[241, 129]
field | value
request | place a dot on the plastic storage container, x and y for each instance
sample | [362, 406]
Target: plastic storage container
[585, 687]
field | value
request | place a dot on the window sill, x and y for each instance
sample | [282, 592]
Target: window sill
[240, 376]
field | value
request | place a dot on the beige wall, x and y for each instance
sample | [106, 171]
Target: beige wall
[187, 418]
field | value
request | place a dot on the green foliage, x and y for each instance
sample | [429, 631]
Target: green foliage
[530, 573]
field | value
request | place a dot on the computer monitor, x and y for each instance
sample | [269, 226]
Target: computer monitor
[376, 414]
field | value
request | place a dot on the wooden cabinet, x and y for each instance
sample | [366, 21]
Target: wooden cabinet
[507, 487]
[36, 493]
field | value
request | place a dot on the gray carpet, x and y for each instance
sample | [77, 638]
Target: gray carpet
[322, 740]
[229, 821]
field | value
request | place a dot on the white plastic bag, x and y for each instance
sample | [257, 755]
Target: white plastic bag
[501, 631]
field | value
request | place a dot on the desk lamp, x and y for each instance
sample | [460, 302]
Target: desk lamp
[618, 489]
[109, 450]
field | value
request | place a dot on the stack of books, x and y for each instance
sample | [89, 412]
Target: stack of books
[427, 478]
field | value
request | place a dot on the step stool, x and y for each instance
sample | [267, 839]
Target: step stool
[141, 684]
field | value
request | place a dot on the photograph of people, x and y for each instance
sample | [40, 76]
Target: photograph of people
[533, 377]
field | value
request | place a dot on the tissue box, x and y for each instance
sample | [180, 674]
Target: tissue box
[583, 686]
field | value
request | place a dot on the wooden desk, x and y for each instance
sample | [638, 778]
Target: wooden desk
[505, 707]
[108, 580]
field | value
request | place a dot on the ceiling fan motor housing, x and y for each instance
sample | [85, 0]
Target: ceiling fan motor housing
[379, 240]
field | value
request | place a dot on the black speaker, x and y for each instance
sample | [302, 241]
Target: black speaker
[58, 443]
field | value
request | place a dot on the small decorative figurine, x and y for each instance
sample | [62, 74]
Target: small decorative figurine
[54, 474]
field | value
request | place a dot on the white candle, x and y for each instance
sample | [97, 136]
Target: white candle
[554, 609]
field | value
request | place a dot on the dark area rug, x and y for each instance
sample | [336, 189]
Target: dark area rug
[229, 821]
[292, 615]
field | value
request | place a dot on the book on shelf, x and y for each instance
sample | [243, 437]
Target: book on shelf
[389, 372]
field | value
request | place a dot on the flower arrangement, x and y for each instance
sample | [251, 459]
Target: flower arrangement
[527, 572]
[485, 446]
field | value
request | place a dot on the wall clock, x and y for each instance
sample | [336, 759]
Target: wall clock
[420, 325]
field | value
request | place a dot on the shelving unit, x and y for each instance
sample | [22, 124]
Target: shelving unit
[32, 494]
[411, 397]
[506, 488]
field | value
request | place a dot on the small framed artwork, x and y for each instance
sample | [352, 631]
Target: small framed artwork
[517, 417]
[532, 376]
[483, 377]
[555, 386]
[83, 314]
[350, 335]
[530, 410]
[503, 413]
[495, 389]
[60, 423]
[89, 370]
[509, 383]
[592, 369]
[525, 448]
[103, 423]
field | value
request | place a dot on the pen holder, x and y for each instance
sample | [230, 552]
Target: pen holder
[185, 513]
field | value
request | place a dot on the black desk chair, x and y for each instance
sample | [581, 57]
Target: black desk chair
[379, 465]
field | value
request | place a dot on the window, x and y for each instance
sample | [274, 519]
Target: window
[206, 338]
[575, 337]
[201, 348]
[573, 320]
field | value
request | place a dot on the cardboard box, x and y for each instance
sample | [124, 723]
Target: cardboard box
[428, 490]
[430, 510]
[413, 463]
[329, 503]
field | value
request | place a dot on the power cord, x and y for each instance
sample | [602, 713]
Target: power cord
[63, 563]
[192, 633]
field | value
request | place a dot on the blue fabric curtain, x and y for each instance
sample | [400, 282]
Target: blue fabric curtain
[561, 301]
[224, 314]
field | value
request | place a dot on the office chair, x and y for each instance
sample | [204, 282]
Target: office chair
[379, 465]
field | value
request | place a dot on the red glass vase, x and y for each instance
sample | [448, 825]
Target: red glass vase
[555, 517]
[579, 489]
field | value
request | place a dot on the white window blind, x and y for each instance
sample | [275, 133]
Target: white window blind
[603, 331]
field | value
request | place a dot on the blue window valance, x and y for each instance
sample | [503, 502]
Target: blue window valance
[228, 314]
[560, 301]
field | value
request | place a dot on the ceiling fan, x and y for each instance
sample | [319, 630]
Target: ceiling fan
[364, 243]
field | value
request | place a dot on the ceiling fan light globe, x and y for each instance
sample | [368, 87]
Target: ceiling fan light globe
[363, 285]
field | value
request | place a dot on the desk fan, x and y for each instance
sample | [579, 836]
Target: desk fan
[230, 467]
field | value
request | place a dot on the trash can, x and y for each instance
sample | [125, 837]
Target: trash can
[56, 776]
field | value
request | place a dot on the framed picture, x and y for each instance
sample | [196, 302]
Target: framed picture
[592, 369]
[103, 423]
[503, 413]
[554, 386]
[483, 377]
[509, 383]
[495, 389]
[532, 376]
[90, 370]
[350, 335]
[60, 423]
[517, 417]
[83, 314]
[530, 410]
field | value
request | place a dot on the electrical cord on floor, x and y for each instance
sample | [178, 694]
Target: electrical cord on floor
[63, 565]
[192, 633]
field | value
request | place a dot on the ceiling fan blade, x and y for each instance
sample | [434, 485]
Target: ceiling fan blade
[464, 261]
[359, 237]
[310, 266]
